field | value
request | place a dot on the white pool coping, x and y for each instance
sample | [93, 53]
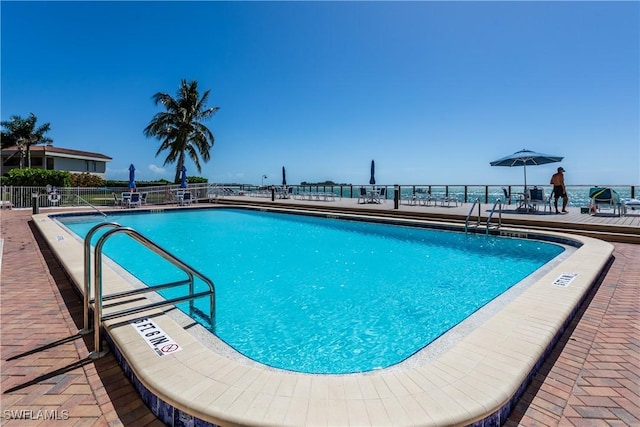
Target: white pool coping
[473, 378]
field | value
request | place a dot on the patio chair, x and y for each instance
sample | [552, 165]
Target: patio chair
[507, 195]
[143, 198]
[537, 197]
[362, 195]
[186, 199]
[134, 200]
[604, 196]
[382, 195]
[125, 196]
[116, 200]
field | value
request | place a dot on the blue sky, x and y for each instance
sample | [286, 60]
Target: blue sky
[433, 91]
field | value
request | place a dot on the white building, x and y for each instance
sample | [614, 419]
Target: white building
[56, 158]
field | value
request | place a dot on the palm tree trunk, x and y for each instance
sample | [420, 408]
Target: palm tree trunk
[179, 168]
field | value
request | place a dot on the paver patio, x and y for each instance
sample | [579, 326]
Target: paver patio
[592, 378]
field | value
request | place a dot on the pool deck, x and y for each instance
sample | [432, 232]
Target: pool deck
[592, 376]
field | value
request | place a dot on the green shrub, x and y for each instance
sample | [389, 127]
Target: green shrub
[38, 178]
[86, 179]
[197, 180]
[140, 184]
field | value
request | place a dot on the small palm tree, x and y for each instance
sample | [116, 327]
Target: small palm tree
[180, 129]
[24, 133]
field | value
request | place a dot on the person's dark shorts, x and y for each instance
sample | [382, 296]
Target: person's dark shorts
[558, 191]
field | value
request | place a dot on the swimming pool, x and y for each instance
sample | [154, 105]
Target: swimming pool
[322, 295]
[472, 375]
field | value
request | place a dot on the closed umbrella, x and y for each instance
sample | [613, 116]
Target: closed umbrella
[372, 180]
[524, 158]
[132, 177]
[284, 177]
[183, 177]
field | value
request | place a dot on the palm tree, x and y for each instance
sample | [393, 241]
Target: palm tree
[180, 129]
[23, 133]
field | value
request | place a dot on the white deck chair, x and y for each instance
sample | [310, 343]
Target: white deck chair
[362, 195]
[382, 195]
[537, 197]
[186, 199]
[124, 198]
[507, 196]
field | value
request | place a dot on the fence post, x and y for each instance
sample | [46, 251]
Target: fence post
[396, 196]
[34, 203]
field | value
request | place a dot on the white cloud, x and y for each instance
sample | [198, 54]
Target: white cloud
[156, 169]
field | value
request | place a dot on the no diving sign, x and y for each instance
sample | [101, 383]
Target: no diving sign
[565, 279]
[158, 340]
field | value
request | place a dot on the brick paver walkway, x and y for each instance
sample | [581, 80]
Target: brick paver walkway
[591, 379]
[47, 378]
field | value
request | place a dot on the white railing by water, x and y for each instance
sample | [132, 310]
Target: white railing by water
[21, 197]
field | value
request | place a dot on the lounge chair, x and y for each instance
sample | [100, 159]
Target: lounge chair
[411, 199]
[143, 198]
[134, 200]
[604, 196]
[116, 200]
[425, 199]
[629, 204]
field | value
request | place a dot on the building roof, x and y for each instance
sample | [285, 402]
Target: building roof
[51, 151]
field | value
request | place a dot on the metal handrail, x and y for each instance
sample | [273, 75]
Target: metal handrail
[466, 222]
[99, 298]
[87, 271]
[498, 202]
[92, 206]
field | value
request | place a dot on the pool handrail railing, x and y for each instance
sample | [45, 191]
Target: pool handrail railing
[466, 222]
[498, 203]
[98, 299]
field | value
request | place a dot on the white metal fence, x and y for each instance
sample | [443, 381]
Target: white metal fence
[23, 197]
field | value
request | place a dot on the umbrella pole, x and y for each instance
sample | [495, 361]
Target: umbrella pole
[525, 177]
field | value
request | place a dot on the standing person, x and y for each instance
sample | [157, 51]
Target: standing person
[559, 190]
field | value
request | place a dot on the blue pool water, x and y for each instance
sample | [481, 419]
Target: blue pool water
[324, 295]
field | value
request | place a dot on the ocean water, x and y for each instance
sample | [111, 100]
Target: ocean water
[323, 295]
[578, 195]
